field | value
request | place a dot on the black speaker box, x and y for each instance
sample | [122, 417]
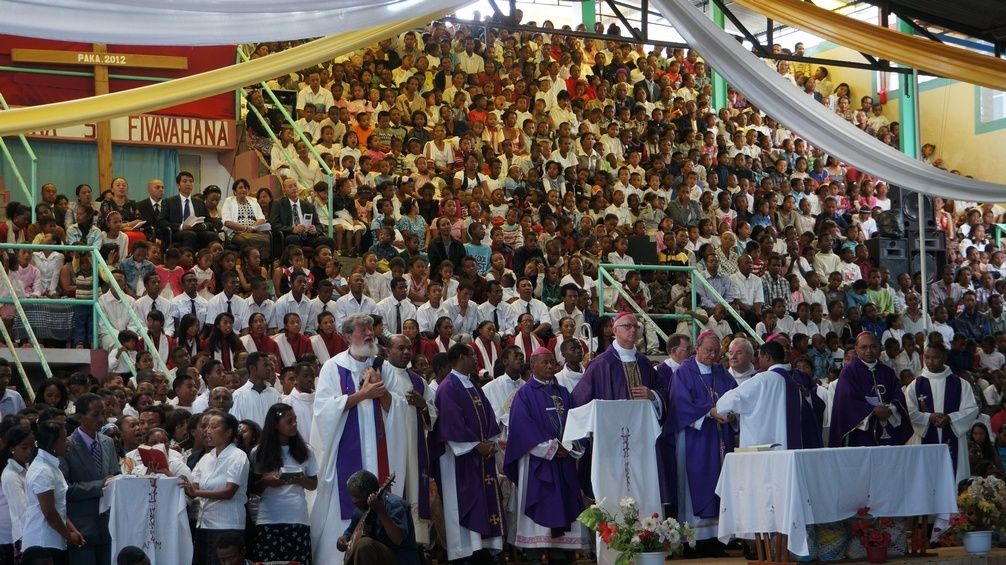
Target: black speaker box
[907, 202]
[894, 254]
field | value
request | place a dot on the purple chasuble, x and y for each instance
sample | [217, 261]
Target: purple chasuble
[850, 407]
[951, 404]
[605, 379]
[693, 395]
[465, 415]
[552, 494]
[419, 385]
[667, 466]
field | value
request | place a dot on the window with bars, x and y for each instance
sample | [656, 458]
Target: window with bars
[992, 105]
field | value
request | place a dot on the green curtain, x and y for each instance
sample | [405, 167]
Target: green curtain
[70, 164]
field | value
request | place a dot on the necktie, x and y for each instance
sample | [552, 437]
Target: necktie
[193, 301]
[229, 308]
[398, 318]
[528, 307]
[296, 213]
[496, 317]
[185, 209]
[157, 209]
[96, 456]
[153, 305]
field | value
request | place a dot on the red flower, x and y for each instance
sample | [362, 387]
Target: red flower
[863, 511]
[886, 522]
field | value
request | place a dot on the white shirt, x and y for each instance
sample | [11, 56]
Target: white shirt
[321, 98]
[13, 483]
[182, 305]
[749, 289]
[537, 309]
[48, 270]
[427, 315]
[252, 405]
[463, 323]
[229, 211]
[303, 407]
[761, 404]
[568, 377]
[239, 309]
[214, 472]
[558, 312]
[505, 315]
[394, 313]
[499, 391]
[287, 304]
[267, 309]
[317, 307]
[117, 312]
[287, 504]
[348, 304]
[43, 476]
[143, 306]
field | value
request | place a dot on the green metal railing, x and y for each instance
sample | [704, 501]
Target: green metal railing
[604, 277]
[99, 270]
[999, 229]
[29, 192]
[300, 135]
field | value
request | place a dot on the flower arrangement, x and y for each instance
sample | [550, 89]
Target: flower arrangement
[871, 531]
[629, 534]
[981, 507]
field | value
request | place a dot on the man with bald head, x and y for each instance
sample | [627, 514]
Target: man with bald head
[869, 406]
[541, 469]
[150, 207]
[702, 438]
[405, 383]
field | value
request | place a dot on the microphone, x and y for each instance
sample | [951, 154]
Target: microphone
[378, 363]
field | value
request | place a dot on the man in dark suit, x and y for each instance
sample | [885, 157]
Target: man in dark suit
[445, 247]
[652, 88]
[175, 210]
[89, 463]
[287, 217]
[150, 209]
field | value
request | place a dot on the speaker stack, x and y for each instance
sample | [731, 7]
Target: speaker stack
[897, 244]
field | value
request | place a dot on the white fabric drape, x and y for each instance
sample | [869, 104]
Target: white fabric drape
[195, 22]
[779, 98]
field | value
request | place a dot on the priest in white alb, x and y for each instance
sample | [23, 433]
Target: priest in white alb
[357, 425]
[767, 404]
[942, 409]
[405, 383]
[500, 390]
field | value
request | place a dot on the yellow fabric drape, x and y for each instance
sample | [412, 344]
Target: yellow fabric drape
[195, 87]
[911, 51]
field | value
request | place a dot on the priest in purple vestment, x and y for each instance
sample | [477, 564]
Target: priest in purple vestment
[463, 445]
[869, 406]
[702, 438]
[679, 348]
[542, 470]
[620, 373]
[812, 406]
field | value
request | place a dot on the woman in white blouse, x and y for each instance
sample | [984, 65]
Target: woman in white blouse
[220, 482]
[285, 466]
[45, 521]
[241, 216]
[18, 451]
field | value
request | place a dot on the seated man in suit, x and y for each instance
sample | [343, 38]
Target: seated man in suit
[287, 217]
[177, 209]
[89, 462]
[150, 209]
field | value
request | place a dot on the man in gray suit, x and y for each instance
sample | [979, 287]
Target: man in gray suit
[89, 463]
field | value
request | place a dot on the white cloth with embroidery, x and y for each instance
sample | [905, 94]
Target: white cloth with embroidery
[624, 459]
[149, 513]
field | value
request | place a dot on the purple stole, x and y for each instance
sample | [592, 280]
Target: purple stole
[349, 458]
[424, 457]
[794, 410]
[667, 464]
[951, 404]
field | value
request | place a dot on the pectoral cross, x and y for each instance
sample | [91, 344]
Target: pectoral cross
[494, 519]
[100, 59]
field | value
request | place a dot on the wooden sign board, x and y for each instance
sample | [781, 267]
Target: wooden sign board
[91, 58]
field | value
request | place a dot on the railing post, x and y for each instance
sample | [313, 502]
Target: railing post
[17, 362]
[95, 293]
[695, 304]
[27, 327]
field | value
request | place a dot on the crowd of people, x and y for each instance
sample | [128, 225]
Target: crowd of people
[481, 176]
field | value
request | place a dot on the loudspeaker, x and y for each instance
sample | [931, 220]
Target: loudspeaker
[908, 203]
[891, 224]
[895, 256]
